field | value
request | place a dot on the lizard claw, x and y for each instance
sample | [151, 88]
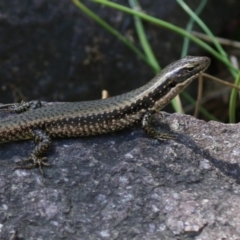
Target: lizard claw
[165, 136]
[35, 162]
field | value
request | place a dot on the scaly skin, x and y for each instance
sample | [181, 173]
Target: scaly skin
[101, 116]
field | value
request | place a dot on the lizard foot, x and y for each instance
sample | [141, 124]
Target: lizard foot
[35, 161]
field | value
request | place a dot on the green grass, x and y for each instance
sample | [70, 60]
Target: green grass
[147, 55]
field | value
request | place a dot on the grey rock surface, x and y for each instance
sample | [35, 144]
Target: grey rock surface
[127, 186]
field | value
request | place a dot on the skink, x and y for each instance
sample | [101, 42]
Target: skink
[100, 116]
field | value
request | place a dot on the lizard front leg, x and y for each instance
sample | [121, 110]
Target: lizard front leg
[43, 142]
[150, 130]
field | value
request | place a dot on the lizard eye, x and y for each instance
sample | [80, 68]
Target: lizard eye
[190, 69]
[172, 84]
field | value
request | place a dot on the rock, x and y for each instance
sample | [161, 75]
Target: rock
[126, 185]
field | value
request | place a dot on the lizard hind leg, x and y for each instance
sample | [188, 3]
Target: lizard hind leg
[21, 107]
[43, 142]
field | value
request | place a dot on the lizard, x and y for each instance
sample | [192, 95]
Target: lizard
[77, 119]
